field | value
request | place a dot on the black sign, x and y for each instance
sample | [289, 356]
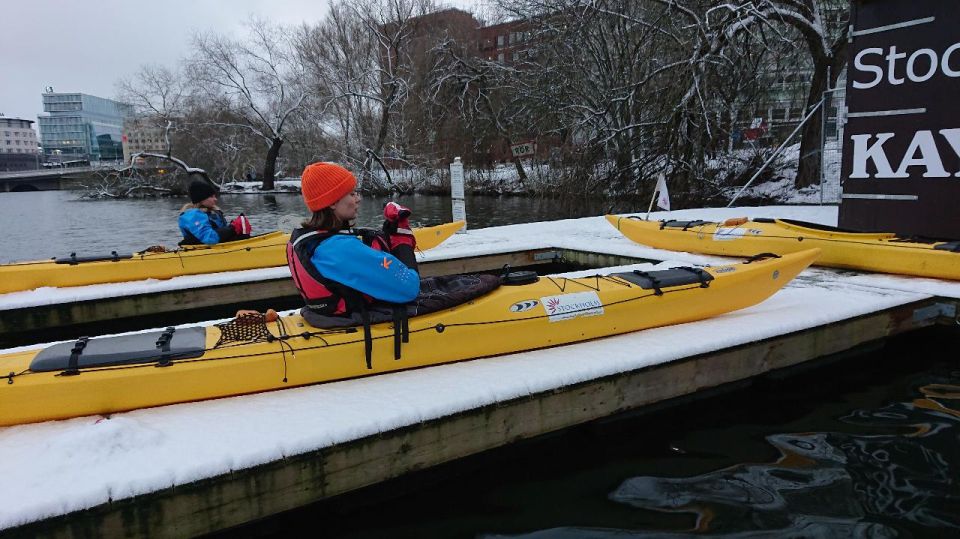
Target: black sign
[901, 147]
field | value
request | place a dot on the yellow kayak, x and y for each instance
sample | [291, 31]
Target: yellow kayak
[114, 374]
[877, 252]
[264, 251]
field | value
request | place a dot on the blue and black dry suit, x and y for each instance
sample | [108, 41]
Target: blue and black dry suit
[205, 226]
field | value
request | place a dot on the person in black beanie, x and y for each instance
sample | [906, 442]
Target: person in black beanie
[201, 221]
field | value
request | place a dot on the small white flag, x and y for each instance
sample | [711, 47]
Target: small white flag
[663, 196]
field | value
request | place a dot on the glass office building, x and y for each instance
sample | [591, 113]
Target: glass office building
[81, 126]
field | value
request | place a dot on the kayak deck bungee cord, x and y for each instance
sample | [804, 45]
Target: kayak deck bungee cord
[254, 353]
[263, 251]
[876, 252]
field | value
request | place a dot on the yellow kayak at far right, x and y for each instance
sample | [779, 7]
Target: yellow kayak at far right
[876, 252]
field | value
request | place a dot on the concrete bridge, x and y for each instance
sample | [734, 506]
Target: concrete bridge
[44, 179]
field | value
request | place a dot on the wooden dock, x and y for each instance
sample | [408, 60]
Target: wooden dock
[249, 494]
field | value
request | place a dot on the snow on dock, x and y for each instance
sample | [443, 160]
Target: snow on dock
[60, 467]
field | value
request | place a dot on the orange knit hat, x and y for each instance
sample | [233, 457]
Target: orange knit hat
[323, 184]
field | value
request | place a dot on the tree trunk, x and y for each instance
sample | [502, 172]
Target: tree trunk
[521, 174]
[825, 75]
[811, 139]
[385, 120]
[270, 164]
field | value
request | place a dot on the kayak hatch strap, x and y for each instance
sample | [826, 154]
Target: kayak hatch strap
[401, 328]
[75, 354]
[396, 331]
[163, 345]
[654, 282]
[761, 256]
[700, 274]
[367, 337]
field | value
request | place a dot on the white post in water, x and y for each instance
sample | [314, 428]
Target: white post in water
[456, 193]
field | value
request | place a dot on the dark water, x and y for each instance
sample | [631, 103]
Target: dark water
[867, 447]
[45, 224]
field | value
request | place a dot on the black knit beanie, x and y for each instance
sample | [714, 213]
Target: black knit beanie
[200, 190]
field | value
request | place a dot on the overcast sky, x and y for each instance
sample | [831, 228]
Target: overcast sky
[78, 46]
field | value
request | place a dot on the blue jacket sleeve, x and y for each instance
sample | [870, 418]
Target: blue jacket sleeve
[348, 261]
[198, 223]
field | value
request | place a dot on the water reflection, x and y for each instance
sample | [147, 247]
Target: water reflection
[897, 465]
[830, 478]
[803, 529]
[45, 224]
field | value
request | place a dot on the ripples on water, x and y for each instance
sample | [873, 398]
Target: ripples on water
[893, 474]
[40, 225]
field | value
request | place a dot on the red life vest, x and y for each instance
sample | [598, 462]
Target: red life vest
[322, 295]
[316, 290]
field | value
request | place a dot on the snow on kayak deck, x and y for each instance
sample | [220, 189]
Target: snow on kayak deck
[58, 467]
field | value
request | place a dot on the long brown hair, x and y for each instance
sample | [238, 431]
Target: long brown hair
[325, 219]
[197, 205]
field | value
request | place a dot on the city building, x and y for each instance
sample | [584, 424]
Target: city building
[81, 127]
[18, 145]
[142, 135]
[506, 42]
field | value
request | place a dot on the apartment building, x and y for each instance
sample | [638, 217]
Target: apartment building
[142, 135]
[18, 145]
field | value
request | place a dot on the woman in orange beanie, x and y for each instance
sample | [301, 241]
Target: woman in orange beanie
[339, 270]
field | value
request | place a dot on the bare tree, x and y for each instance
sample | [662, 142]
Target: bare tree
[657, 84]
[607, 77]
[256, 82]
[357, 60]
[494, 99]
[225, 152]
[156, 92]
[820, 23]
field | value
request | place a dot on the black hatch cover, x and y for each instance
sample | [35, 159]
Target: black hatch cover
[122, 350]
[666, 278]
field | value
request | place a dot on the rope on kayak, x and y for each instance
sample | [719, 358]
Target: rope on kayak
[251, 327]
[13, 375]
[283, 342]
[595, 287]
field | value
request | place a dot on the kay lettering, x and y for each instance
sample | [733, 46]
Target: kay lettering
[922, 152]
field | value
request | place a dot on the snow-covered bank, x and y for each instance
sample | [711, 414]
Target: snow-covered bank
[280, 186]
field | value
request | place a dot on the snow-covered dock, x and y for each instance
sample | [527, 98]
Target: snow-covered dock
[194, 468]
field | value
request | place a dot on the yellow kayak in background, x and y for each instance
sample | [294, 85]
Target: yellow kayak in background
[253, 353]
[878, 252]
[264, 251]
